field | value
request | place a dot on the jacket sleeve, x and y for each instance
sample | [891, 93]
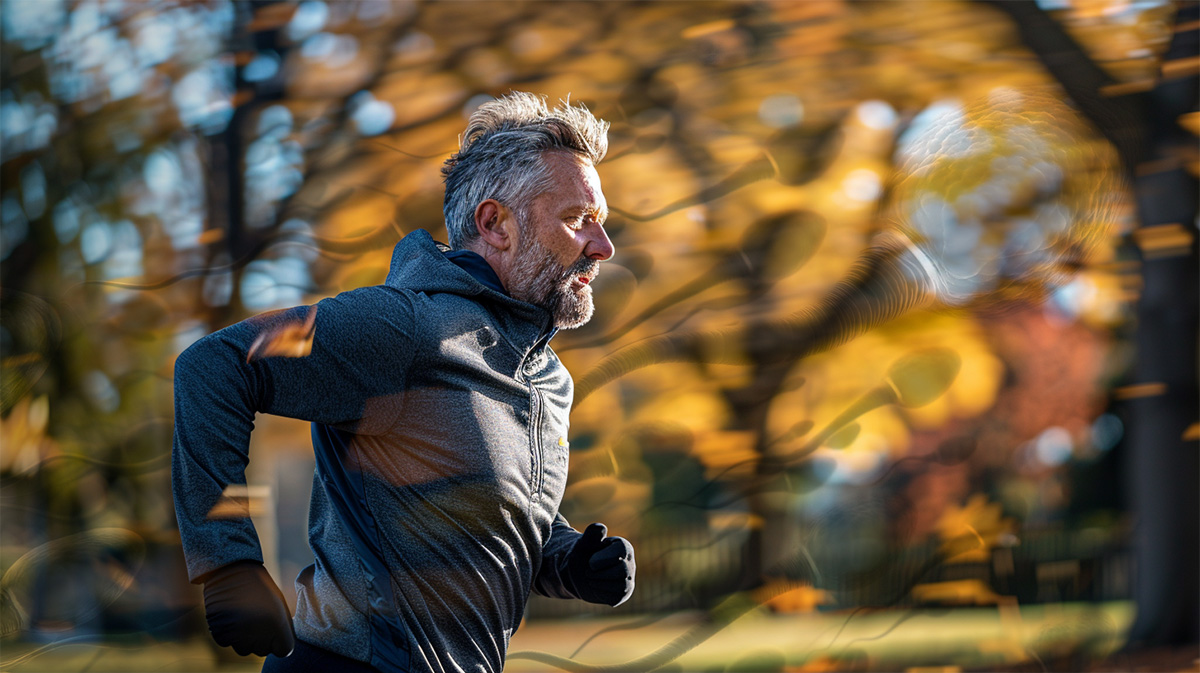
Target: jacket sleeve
[342, 362]
[549, 580]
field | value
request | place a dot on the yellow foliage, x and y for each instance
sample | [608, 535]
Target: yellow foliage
[957, 592]
[721, 450]
[366, 211]
[969, 533]
[1191, 122]
[821, 664]
[835, 380]
[292, 340]
[1125, 38]
[803, 598]
[600, 411]
[883, 431]
[697, 410]
[974, 391]
[421, 96]
[23, 438]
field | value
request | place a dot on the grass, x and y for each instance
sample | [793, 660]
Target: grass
[984, 638]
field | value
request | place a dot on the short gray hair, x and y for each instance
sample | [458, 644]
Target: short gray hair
[500, 156]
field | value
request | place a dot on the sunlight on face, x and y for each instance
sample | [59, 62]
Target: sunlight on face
[563, 243]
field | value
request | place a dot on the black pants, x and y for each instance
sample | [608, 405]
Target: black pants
[308, 658]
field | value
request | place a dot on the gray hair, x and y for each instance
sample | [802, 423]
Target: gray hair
[500, 156]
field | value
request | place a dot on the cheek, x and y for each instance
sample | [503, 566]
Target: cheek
[572, 255]
[567, 249]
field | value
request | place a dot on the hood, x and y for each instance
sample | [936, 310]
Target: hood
[419, 265]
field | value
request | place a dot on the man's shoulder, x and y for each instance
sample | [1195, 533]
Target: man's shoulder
[369, 295]
[368, 305]
[427, 308]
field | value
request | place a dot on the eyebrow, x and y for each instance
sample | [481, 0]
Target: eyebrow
[599, 213]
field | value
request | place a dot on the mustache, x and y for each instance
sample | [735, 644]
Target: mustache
[582, 267]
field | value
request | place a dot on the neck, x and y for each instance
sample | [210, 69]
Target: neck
[495, 258]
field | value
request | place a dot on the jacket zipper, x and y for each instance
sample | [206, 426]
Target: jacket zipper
[535, 420]
[536, 414]
[536, 427]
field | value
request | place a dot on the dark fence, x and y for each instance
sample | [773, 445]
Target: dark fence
[695, 569]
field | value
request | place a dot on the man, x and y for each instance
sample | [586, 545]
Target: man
[439, 422]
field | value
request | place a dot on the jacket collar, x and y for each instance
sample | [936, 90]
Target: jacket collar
[420, 265]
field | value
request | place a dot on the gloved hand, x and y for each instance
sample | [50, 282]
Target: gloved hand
[247, 612]
[600, 569]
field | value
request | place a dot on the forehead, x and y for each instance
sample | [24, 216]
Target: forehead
[573, 181]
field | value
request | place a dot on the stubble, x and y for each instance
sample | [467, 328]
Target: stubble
[537, 278]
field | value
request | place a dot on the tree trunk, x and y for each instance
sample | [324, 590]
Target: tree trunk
[1145, 128]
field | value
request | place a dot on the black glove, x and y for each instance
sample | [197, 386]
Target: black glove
[247, 612]
[600, 569]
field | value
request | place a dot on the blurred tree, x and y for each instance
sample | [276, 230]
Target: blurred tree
[983, 214]
[101, 109]
[1147, 121]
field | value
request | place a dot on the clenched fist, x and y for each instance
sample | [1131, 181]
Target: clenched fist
[601, 569]
[247, 612]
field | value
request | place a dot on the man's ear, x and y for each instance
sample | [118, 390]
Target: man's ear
[495, 224]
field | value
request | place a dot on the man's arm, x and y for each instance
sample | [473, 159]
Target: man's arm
[342, 362]
[549, 580]
[344, 366]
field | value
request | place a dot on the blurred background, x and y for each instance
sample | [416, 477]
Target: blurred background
[895, 367]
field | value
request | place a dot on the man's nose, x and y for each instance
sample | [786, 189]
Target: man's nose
[599, 247]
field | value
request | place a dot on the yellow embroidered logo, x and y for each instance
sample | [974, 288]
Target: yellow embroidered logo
[562, 441]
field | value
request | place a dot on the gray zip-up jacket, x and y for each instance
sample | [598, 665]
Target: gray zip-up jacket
[440, 430]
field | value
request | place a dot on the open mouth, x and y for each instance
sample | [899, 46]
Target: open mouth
[582, 272]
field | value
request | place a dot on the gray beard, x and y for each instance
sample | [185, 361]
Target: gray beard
[538, 279]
